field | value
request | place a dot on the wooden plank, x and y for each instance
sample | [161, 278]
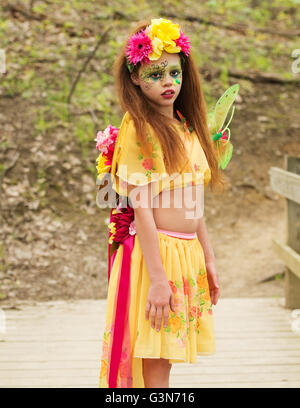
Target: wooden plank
[284, 333]
[285, 183]
[182, 380]
[281, 384]
[177, 370]
[236, 355]
[258, 361]
[237, 377]
[290, 257]
[80, 347]
[241, 384]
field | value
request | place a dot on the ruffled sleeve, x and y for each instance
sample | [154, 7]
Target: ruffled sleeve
[134, 163]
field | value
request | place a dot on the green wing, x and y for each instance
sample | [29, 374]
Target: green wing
[216, 119]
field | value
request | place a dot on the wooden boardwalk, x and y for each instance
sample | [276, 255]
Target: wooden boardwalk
[58, 344]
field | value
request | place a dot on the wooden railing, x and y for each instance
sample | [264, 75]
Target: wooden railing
[287, 183]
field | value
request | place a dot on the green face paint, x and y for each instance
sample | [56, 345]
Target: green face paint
[158, 72]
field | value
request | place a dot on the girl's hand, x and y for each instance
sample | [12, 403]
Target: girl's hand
[213, 281]
[160, 297]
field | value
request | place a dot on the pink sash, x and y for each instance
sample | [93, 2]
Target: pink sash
[184, 235]
[120, 346]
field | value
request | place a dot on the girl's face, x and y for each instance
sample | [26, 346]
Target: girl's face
[158, 76]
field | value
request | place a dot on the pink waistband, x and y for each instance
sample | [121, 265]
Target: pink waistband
[185, 235]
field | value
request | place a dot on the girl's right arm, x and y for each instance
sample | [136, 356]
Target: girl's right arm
[160, 296]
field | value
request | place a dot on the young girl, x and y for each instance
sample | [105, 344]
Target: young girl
[162, 274]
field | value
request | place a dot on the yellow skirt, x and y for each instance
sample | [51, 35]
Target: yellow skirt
[190, 330]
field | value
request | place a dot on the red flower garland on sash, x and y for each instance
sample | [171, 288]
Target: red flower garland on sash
[123, 219]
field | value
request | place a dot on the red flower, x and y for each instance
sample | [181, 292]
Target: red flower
[122, 219]
[224, 135]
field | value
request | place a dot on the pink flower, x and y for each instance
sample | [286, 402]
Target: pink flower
[184, 43]
[106, 141]
[139, 48]
[147, 164]
[224, 136]
[132, 229]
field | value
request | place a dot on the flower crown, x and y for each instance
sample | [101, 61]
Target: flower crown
[148, 44]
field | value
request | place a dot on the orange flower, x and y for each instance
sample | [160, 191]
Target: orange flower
[202, 280]
[206, 295]
[198, 326]
[175, 323]
[173, 286]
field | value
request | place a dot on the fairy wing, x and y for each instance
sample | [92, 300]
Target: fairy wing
[216, 120]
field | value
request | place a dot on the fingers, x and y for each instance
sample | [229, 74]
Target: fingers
[159, 312]
[172, 304]
[166, 316]
[158, 318]
[215, 296]
[152, 315]
[148, 306]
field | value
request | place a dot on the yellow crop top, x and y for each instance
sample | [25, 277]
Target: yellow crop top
[131, 165]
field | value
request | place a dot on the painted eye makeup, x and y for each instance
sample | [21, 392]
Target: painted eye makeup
[174, 72]
[158, 72]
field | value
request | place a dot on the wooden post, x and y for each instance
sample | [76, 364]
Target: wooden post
[292, 281]
[287, 183]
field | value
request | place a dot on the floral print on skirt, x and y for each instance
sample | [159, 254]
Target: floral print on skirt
[190, 330]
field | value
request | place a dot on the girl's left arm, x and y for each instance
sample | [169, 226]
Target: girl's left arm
[210, 262]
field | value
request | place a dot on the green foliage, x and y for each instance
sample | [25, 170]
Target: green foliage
[43, 62]
[2, 169]
[84, 133]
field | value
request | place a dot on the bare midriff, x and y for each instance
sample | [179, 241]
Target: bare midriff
[181, 212]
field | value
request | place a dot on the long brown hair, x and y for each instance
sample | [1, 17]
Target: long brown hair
[190, 103]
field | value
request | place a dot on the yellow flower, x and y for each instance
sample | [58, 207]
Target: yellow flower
[112, 227]
[175, 323]
[101, 166]
[158, 47]
[162, 33]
